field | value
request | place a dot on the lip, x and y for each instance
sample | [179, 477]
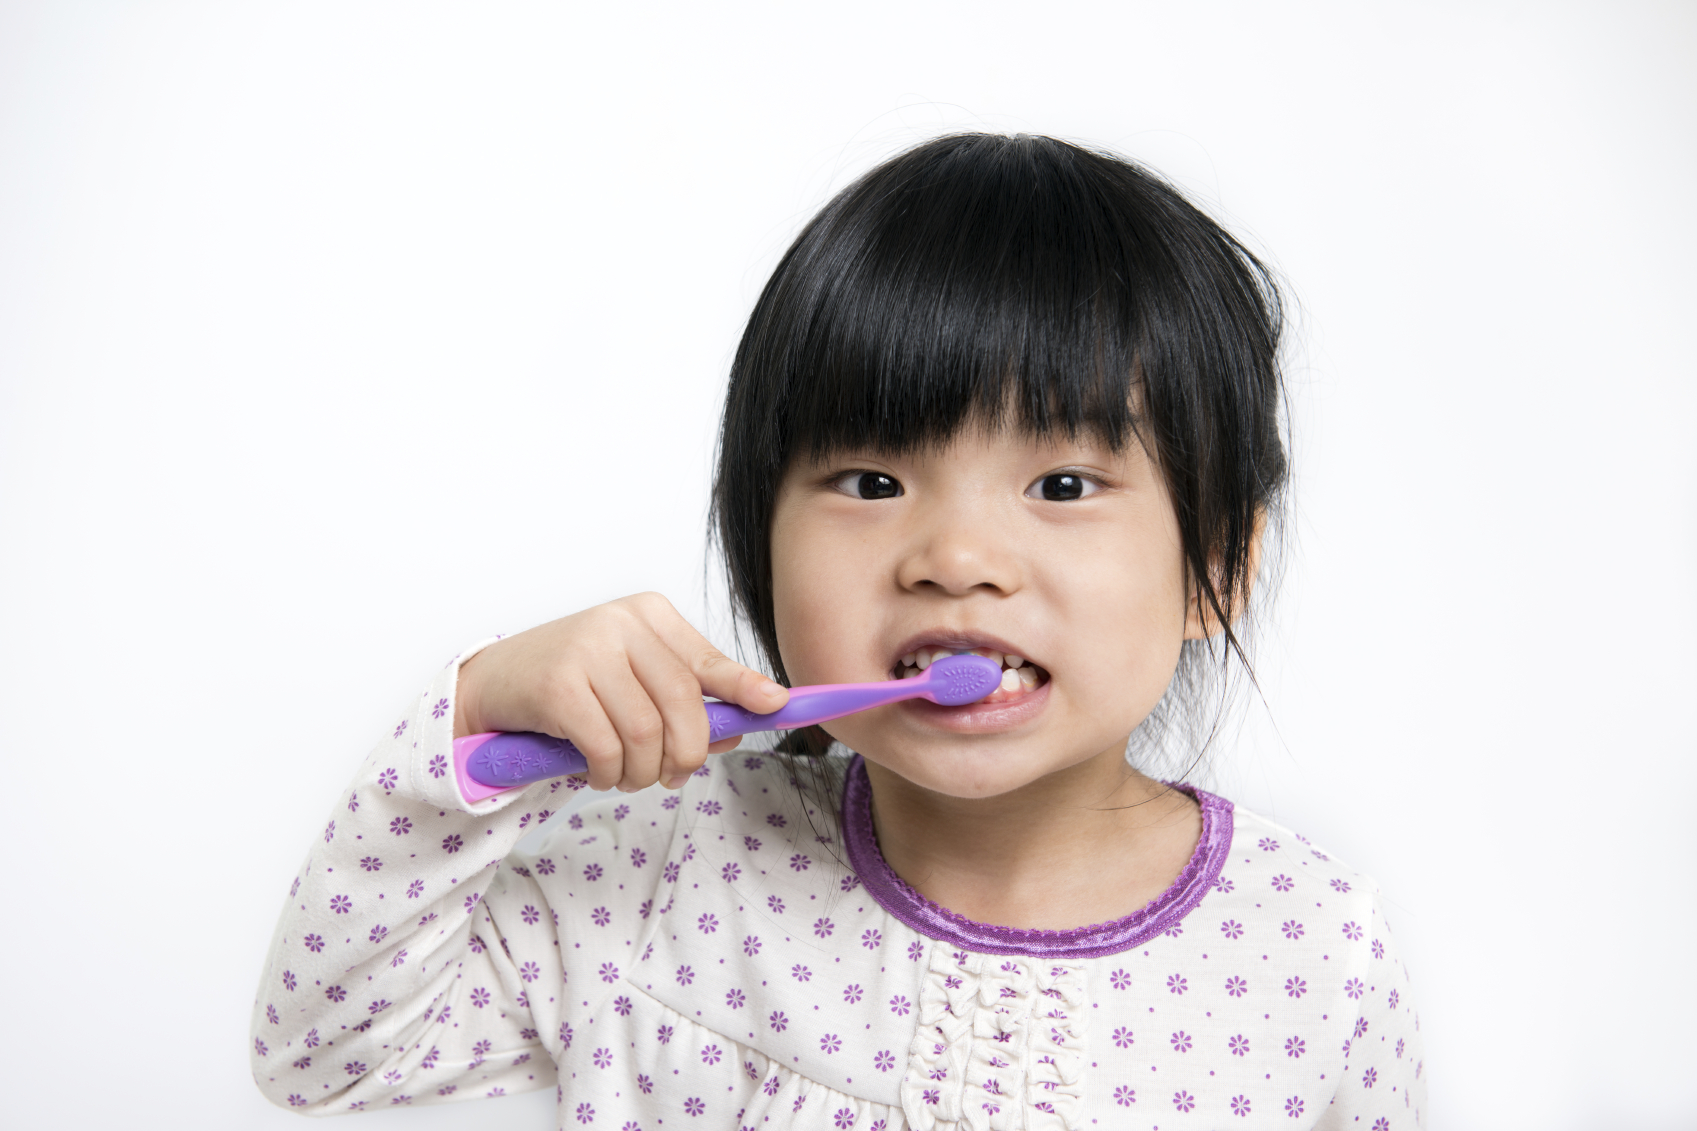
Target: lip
[981, 717]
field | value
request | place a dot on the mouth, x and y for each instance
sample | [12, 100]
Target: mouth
[1020, 677]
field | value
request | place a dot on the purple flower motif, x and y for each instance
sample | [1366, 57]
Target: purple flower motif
[915, 950]
[751, 945]
[1360, 1026]
[1268, 844]
[1369, 1077]
[752, 843]
[664, 1034]
[271, 1014]
[776, 904]
[387, 779]
[900, 1006]
[400, 826]
[778, 1021]
[1180, 1041]
[1355, 987]
[1392, 1001]
[608, 973]
[707, 924]
[311, 1040]
[637, 858]
[1340, 885]
[330, 832]
[353, 800]
[735, 999]
[844, 1119]
[1177, 984]
[378, 933]
[671, 802]
[671, 872]
[852, 993]
[711, 808]
[530, 971]
[603, 1058]
[712, 1054]
[530, 914]
[883, 1061]
[1184, 1101]
[336, 993]
[730, 873]
[830, 1043]
[823, 928]
[1239, 1045]
[1295, 986]
[592, 872]
[871, 938]
[622, 1005]
[1232, 929]
[438, 766]
[471, 901]
[1123, 1038]
[1282, 882]
[644, 910]
[801, 973]
[1399, 1048]
[799, 862]
[341, 904]
[1292, 929]
[1240, 1105]
[694, 1106]
[1125, 1095]
[775, 820]
[1120, 980]
[685, 975]
[480, 997]
[452, 843]
[1236, 986]
[1295, 1047]
[621, 812]
[400, 728]
[601, 916]
[565, 1035]
[1352, 932]
[932, 1095]
[1381, 1124]
[440, 709]
[1378, 949]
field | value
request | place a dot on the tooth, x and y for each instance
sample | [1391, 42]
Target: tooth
[1027, 678]
[1012, 660]
[1010, 680]
[923, 659]
[910, 673]
[907, 660]
[992, 654]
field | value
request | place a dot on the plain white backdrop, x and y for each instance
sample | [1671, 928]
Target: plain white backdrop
[334, 336]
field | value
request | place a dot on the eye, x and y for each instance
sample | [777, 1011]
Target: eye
[868, 485]
[1063, 486]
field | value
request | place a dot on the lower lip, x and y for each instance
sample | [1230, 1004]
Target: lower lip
[981, 717]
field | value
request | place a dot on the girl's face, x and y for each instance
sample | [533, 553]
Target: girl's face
[1059, 552]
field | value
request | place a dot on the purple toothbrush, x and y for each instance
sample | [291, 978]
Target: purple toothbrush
[496, 761]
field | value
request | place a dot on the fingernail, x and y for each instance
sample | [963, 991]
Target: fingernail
[676, 780]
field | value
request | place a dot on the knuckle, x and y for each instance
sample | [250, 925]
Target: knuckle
[646, 728]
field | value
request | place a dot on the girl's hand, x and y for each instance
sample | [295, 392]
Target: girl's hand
[622, 681]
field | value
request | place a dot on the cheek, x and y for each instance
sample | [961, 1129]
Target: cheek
[813, 601]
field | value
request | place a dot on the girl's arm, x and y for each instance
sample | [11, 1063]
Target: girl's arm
[1384, 1079]
[387, 979]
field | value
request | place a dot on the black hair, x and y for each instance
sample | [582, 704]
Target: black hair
[988, 277]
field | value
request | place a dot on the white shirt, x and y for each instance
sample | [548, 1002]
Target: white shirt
[731, 957]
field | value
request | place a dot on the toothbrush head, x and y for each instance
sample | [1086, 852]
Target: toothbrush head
[955, 681]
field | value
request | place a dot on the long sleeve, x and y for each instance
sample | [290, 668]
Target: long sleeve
[1384, 1079]
[387, 979]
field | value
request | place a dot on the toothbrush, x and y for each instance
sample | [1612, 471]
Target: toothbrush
[496, 761]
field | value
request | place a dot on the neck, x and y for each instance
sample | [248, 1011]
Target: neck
[1086, 845]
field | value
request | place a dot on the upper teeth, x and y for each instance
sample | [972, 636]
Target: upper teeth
[1017, 675]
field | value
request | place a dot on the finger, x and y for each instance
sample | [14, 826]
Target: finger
[677, 696]
[725, 745]
[634, 716]
[581, 719]
[717, 674]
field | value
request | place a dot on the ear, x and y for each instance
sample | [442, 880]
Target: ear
[1199, 619]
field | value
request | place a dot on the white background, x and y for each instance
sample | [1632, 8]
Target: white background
[334, 336]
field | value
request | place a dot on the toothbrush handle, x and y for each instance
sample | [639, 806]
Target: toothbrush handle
[494, 762]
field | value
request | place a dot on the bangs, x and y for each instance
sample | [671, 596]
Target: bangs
[963, 292]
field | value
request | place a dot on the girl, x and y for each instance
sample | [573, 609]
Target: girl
[1003, 395]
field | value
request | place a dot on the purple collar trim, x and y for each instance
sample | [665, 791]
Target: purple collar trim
[1162, 914]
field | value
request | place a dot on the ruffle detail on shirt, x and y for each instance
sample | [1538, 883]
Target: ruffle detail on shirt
[1000, 1044]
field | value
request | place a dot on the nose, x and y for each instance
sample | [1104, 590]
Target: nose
[959, 548]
